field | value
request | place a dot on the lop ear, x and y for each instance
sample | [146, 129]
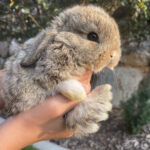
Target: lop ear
[37, 46]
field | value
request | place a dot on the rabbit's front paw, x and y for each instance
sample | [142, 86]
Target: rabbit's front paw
[84, 118]
[72, 89]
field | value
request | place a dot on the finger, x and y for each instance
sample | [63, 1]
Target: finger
[54, 129]
[87, 87]
[60, 105]
[84, 78]
[63, 132]
[51, 108]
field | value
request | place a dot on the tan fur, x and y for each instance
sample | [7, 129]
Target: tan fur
[57, 53]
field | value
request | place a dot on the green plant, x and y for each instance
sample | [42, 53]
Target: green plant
[22, 19]
[136, 111]
[29, 148]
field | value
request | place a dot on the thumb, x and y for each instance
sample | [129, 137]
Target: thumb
[60, 104]
[51, 108]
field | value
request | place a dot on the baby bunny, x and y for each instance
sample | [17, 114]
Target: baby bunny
[81, 38]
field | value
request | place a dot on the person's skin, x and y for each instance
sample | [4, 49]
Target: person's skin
[43, 122]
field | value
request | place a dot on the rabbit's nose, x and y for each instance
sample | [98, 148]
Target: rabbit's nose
[113, 55]
[113, 60]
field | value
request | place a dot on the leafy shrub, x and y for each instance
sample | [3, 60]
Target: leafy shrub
[22, 19]
[29, 148]
[136, 111]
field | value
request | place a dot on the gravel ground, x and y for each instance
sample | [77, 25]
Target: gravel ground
[111, 136]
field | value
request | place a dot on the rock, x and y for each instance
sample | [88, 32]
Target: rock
[144, 146]
[148, 136]
[111, 136]
[128, 80]
[136, 54]
[0, 64]
[146, 81]
[134, 66]
[2, 60]
[14, 47]
[136, 59]
[124, 80]
[4, 49]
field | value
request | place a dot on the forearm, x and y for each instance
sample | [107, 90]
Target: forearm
[42, 122]
[30, 126]
[15, 134]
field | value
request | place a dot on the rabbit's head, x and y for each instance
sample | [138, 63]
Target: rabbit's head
[91, 34]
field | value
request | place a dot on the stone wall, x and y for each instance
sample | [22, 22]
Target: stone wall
[132, 70]
[4, 52]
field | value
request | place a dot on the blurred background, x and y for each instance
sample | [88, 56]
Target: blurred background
[22, 19]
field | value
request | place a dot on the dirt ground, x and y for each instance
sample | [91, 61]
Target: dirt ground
[111, 136]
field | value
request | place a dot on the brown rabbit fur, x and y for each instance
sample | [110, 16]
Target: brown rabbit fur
[81, 38]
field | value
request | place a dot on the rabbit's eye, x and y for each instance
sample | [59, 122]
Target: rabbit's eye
[92, 36]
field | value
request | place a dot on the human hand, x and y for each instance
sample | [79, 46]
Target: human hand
[44, 121]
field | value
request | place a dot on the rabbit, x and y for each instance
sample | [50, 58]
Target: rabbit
[80, 38]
